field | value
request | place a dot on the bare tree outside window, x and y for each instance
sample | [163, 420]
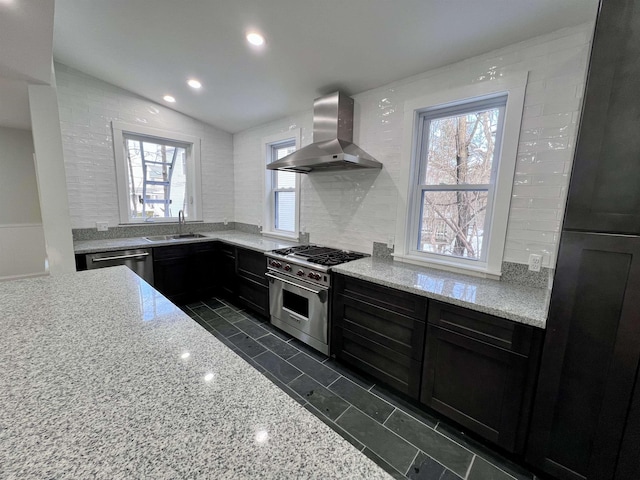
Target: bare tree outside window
[456, 175]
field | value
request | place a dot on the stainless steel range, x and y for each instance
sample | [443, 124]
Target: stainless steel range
[299, 295]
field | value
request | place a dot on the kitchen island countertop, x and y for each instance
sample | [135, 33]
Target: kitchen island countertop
[521, 304]
[103, 377]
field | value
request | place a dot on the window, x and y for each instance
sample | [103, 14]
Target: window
[158, 174]
[455, 188]
[460, 174]
[281, 189]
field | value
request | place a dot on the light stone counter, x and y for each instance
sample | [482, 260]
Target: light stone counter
[102, 377]
[234, 237]
[507, 300]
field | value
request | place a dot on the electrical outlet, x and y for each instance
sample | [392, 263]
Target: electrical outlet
[226, 221]
[535, 262]
[102, 226]
[390, 242]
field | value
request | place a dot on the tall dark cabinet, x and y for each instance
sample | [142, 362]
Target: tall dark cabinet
[586, 419]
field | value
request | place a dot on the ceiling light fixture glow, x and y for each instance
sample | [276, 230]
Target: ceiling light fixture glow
[193, 83]
[255, 39]
[169, 98]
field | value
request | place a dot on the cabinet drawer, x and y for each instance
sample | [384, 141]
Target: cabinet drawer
[252, 265]
[203, 247]
[174, 251]
[396, 370]
[226, 249]
[407, 304]
[502, 333]
[394, 331]
[253, 296]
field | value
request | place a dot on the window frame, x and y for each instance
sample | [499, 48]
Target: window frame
[268, 225]
[513, 87]
[193, 170]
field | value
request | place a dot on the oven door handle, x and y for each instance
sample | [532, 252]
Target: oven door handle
[321, 293]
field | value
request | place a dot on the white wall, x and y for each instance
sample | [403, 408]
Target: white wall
[353, 209]
[22, 250]
[87, 107]
[50, 174]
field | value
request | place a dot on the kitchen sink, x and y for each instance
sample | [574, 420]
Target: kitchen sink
[181, 236]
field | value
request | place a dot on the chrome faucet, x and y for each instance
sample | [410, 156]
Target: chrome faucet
[181, 221]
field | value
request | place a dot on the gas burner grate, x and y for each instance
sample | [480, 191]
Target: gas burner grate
[336, 258]
[320, 255]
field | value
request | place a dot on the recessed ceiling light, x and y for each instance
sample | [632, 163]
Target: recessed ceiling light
[255, 39]
[193, 83]
[169, 98]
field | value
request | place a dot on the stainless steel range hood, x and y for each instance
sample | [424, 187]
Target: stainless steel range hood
[332, 147]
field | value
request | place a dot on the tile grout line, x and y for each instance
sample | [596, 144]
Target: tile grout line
[410, 443]
[295, 379]
[470, 467]
[329, 386]
[388, 417]
[412, 463]
[339, 416]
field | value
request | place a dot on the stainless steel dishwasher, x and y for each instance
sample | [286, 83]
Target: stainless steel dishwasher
[139, 260]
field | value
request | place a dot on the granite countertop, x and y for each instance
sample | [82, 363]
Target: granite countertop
[506, 300]
[103, 377]
[234, 237]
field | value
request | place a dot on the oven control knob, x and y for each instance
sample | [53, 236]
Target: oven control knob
[310, 275]
[316, 276]
[278, 264]
[287, 268]
[300, 273]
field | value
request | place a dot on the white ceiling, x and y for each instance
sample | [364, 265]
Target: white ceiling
[151, 47]
[26, 40]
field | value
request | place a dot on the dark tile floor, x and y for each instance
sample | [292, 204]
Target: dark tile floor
[398, 436]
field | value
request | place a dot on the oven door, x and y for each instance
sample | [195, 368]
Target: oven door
[300, 309]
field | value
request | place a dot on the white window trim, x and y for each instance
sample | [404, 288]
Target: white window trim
[268, 228]
[194, 181]
[514, 86]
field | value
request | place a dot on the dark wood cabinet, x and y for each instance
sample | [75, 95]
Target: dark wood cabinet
[604, 194]
[380, 331]
[590, 360]
[204, 259]
[227, 270]
[586, 422]
[252, 288]
[480, 371]
[629, 458]
[172, 272]
[185, 272]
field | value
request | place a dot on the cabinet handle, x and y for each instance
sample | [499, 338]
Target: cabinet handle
[120, 257]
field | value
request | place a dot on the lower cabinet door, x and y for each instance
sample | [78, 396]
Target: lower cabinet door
[172, 278]
[253, 296]
[584, 405]
[227, 281]
[478, 385]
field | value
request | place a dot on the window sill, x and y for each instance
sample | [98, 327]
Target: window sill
[282, 236]
[480, 270]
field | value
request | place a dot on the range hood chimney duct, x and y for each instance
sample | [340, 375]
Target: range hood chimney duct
[332, 147]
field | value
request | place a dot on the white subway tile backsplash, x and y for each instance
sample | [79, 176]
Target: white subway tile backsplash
[87, 108]
[353, 210]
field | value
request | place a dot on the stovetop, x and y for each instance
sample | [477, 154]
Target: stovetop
[324, 256]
